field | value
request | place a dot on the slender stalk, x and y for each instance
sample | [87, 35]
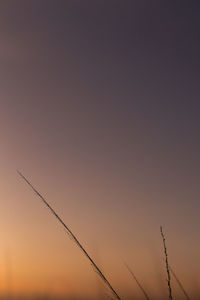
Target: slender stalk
[167, 264]
[138, 283]
[70, 233]
[179, 283]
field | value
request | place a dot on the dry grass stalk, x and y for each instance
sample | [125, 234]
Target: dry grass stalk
[167, 264]
[138, 283]
[179, 283]
[70, 233]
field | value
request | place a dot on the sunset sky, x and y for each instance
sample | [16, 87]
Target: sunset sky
[100, 110]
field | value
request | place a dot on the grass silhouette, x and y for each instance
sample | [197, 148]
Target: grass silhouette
[138, 283]
[167, 264]
[70, 233]
[179, 283]
[94, 265]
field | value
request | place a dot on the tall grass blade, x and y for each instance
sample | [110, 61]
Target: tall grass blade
[138, 283]
[179, 283]
[167, 264]
[96, 268]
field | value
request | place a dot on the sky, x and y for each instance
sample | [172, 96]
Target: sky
[99, 109]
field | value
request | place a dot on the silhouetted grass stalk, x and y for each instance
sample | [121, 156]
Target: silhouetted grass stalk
[167, 264]
[96, 268]
[138, 283]
[179, 283]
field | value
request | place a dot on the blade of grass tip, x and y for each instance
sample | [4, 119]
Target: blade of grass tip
[138, 283]
[179, 283]
[167, 264]
[99, 272]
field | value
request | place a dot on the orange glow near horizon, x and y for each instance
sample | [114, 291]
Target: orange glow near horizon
[41, 258]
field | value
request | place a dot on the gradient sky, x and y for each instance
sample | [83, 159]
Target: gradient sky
[99, 108]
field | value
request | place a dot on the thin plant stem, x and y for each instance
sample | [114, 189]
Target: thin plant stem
[70, 233]
[138, 283]
[167, 264]
[179, 283]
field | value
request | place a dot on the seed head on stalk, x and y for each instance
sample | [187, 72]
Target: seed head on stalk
[167, 264]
